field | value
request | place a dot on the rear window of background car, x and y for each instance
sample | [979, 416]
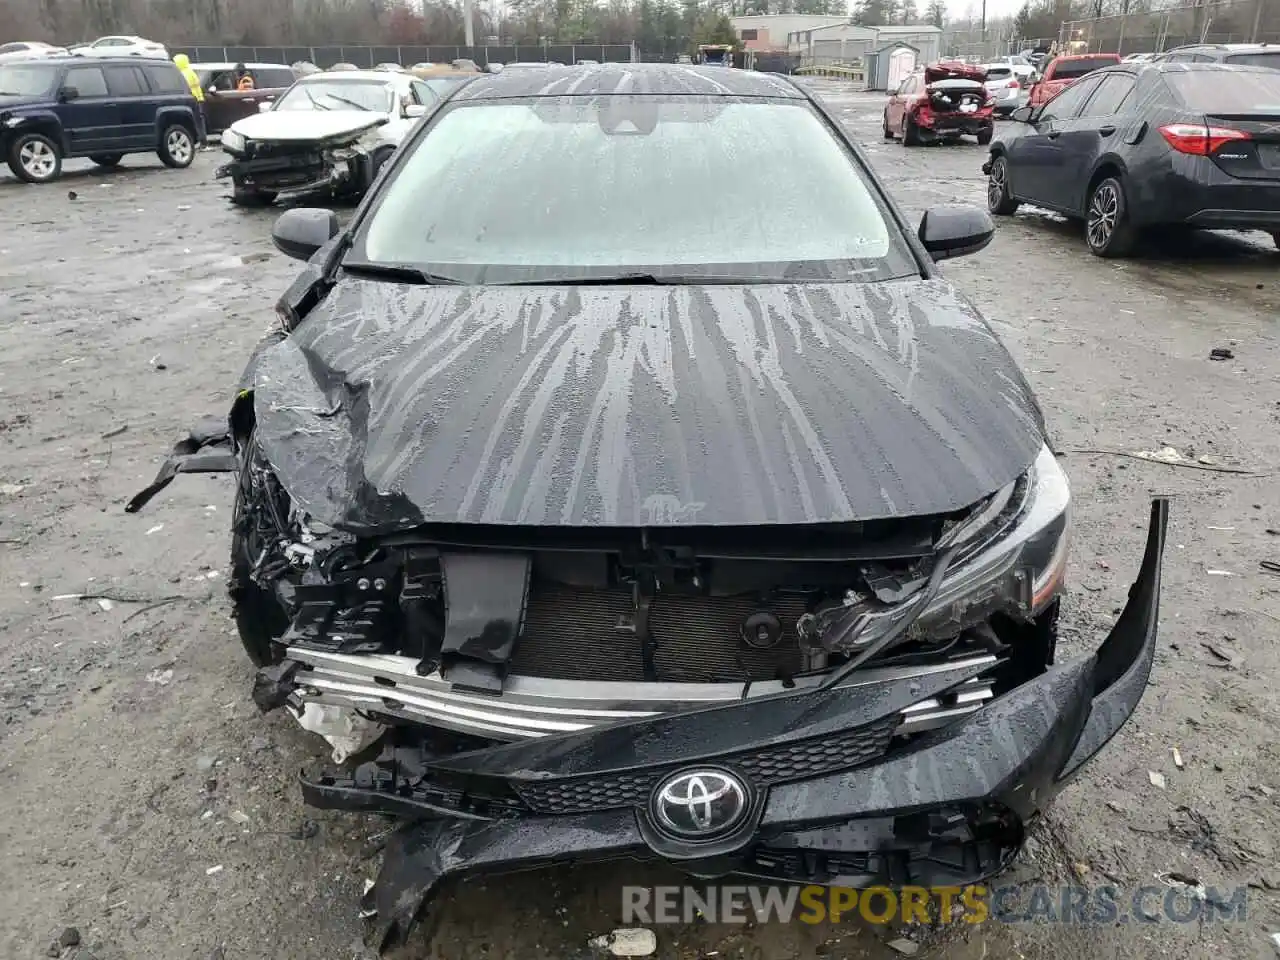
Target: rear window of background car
[998, 73]
[1268, 59]
[1071, 69]
[88, 81]
[1220, 90]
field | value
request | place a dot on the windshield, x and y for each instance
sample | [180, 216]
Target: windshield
[1073, 69]
[337, 95]
[441, 86]
[1269, 58]
[1228, 91]
[623, 185]
[26, 80]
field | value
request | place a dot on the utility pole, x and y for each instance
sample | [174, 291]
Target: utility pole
[1257, 22]
[984, 23]
[468, 26]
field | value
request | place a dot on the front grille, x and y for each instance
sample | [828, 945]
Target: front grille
[574, 634]
[765, 767]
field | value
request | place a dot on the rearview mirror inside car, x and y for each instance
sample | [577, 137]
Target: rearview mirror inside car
[67, 93]
[955, 230]
[1022, 114]
[301, 232]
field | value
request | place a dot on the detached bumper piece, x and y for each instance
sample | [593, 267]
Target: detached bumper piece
[206, 450]
[813, 785]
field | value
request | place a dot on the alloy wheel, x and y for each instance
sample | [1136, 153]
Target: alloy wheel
[38, 159]
[179, 146]
[995, 184]
[1103, 212]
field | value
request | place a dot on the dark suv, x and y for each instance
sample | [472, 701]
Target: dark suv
[101, 109]
[1239, 54]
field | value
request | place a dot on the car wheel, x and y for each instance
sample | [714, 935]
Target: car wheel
[258, 616]
[107, 159]
[244, 196]
[888, 134]
[35, 158]
[1107, 228]
[910, 133]
[999, 201]
[177, 146]
[984, 136]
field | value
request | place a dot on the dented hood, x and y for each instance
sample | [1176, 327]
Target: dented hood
[305, 126]
[394, 405]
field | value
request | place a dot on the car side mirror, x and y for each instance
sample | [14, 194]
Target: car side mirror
[299, 233]
[67, 94]
[415, 110]
[1023, 114]
[955, 230]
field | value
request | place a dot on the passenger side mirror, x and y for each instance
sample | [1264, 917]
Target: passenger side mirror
[67, 94]
[955, 230]
[415, 110]
[1023, 114]
[299, 233]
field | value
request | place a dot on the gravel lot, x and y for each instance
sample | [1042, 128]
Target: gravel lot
[147, 804]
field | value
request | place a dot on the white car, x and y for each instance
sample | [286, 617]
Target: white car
[28, 50]
[122, 47]
[1139, 58]
[1022, 67]
[328, 132]
[1004, 87]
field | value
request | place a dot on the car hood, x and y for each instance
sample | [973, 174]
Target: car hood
[393, 405]
[285, 126]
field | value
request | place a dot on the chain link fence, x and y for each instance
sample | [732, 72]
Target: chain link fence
[369, 56]
[1154, 31]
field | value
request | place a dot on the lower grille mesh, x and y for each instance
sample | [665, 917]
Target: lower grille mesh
[573, 634]
[765, 767]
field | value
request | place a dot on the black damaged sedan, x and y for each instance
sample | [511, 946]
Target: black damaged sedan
[626, 482]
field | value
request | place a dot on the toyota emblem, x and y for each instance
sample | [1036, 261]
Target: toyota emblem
[699, 804]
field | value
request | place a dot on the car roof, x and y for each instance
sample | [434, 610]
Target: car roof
[379, 76]
[656, 79]
[247, 66]
[1165, 66]
[62, 59]
[1085, 56]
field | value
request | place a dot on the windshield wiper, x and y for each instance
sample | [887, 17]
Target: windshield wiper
[398, 273]
[314, 102]
[352, 103]
[634, 279]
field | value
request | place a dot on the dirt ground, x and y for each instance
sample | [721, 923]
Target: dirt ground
[146, 803]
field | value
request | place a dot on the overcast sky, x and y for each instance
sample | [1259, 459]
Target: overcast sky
[959, 9]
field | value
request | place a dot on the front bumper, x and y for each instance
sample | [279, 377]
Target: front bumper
[949, 808]
[300, 172]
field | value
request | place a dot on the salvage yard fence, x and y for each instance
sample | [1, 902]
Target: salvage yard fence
[1155, 31]
[370, 56]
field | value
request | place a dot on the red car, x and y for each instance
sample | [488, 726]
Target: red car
[943, 101]
[1064, 71]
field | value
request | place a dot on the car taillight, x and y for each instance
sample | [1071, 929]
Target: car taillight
[1198, 139]
[1014, 85]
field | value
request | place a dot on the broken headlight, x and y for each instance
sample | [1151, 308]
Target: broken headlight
[1008, 556]
[232, 141]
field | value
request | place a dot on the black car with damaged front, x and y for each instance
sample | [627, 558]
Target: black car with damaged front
[585, 527]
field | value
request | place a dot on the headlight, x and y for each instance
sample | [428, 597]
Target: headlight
[235, 142]
[1010, 556]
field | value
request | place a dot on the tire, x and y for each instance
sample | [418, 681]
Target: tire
[910, 133]
[35, 158]
[888, 134]
[177, 146]
[999, 201]
[984, 136]
[259, 618]
[1107, 228]
[376, 162]
[243, 196]
[107, 160]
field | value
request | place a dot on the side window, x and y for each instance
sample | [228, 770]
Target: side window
[89, 81]
[124, 81]
[1110, 96]
[423, 94]
[275, 79]
[1065, 104]
[1178, 58]
[1204, 58]
[166, 79]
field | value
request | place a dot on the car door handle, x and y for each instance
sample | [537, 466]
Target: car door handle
[1107, 131]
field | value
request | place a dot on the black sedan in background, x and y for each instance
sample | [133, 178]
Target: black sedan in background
[631, 534]
[1143, 145]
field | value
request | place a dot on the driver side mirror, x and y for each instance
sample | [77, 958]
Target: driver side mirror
[67, 94]
[299, 233]
[955, 230]
[414, 110]
[1025, 114]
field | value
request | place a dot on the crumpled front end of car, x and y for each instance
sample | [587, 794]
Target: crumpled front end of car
[339, 165]
[855, 704]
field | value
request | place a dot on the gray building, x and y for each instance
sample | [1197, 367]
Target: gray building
[853, 43]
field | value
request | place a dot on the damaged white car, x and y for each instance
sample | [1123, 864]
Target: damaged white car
[329, 133]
